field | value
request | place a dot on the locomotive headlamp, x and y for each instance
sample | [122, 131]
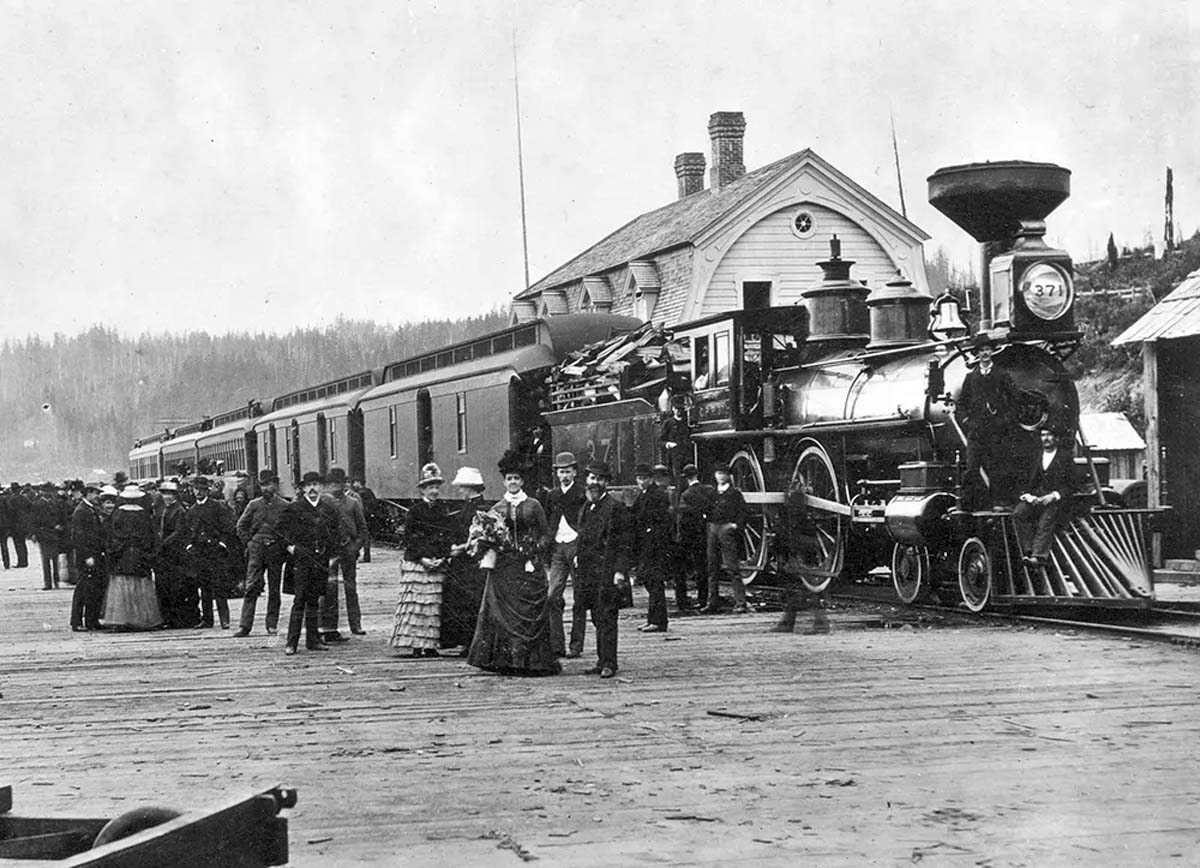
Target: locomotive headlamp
[945, 318]
[1046, 290]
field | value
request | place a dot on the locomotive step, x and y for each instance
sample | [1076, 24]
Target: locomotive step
[1177, 577]
[1182, 565]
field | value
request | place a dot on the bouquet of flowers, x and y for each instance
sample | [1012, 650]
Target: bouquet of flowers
[486, 536]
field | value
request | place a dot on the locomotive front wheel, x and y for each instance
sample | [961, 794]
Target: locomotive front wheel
[748, 477]
[815, 477]
[975, 574]
[910, 572]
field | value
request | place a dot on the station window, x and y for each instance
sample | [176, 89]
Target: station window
[333, 440]
[392, 431]
[461, 411]
[721, 358]
[287, 451]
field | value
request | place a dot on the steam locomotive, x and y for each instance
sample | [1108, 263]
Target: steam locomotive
[835, 416]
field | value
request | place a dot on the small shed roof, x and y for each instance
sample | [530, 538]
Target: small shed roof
[1109, 432]
[1177, 315]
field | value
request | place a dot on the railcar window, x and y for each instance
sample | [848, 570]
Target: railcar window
[392, 432]
[526, 337]
[721, 357]
[700, 362]
[462, 354]
[428, 363]
[461, 411]
[500, 343]
[444, 360]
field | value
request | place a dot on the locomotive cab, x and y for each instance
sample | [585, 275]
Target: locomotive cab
[727, 356]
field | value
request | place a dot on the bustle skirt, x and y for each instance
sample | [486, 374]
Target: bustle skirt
[131, 603]
[418, 619]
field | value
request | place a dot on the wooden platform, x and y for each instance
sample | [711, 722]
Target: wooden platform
[718, 744]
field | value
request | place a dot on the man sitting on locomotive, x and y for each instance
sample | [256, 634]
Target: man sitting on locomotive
[1046, 501]
[984, 412]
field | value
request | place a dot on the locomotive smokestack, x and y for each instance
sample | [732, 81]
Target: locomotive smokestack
[991, 201]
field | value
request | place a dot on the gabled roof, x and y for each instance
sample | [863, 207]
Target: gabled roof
[1177, 315]
[684, 220]
[1110, 432]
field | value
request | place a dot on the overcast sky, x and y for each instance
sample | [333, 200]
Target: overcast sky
[227, 165]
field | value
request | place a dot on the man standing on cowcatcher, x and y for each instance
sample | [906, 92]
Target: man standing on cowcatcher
[309, 528]
[258, 529]
[602, 559]
[211, 537]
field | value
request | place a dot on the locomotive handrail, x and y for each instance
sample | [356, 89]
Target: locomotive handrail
[893, 351]
[830, 425]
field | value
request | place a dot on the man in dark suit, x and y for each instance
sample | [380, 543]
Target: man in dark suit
[726, 518]
[310, 528]
[210, 541]
[984, 411]
[18, 523]
[48, 526]
[602, 559]
[1046, 500]
[675, 437]
[694, 502]
[87, 538]
[652, 543]
[562, 504]
[5, 531]
[178, 596]
[258, 529]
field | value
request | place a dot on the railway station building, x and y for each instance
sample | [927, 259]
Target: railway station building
[746, 240]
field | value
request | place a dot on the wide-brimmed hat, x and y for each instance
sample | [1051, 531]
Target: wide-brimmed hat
[109, 491]
[599, 468]
[336, 476]
[201, 482]
[267, 476]
[132, 492]
[431, 474]
[168, 487]
[468, 477]
[311, 476]
[92, 486]
[563, 460]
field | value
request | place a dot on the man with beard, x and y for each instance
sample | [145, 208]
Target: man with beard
[603, 563]
[310, 529]
[258, 529]
[210, 535]
[87, 537]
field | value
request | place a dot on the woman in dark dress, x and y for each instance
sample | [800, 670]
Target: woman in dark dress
[131, 602]
[462, 587]
[428, 535]
[512, 635]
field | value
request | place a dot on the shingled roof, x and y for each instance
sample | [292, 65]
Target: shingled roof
[682, 221]
[1177, 315]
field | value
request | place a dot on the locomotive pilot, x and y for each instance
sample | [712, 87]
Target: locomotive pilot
[1046, 499]
[983, 411]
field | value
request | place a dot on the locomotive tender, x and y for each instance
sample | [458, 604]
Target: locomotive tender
[836, 416]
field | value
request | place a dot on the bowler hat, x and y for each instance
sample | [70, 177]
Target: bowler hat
[720, 467]
[266, 476]
[201, 482]
[599, 468]
[336, 476]
[642, 469]
[981, 340]
[468, 477]
[311, 476]
[691, 470]
[431, 474]
[564, 460]
[661, 470]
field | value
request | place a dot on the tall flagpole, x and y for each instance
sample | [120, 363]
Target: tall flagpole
[896, 153]
[520, 159]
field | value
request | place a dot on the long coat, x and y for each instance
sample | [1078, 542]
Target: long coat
[314, 533]
[87, 533]
[605, 540]
[652, 528]
[131, 541]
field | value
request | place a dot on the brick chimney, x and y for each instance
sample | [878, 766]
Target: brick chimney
[689, 171]
[726, 129]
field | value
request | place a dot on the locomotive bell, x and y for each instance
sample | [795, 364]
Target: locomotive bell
[837, 311]
[945, 318]
[899, 314]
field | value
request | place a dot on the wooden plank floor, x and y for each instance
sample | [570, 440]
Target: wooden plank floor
[962, 745]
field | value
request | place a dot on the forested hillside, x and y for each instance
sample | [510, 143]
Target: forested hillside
[73, 405]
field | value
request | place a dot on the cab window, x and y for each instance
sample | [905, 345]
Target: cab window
[721, 358]
[700, 363]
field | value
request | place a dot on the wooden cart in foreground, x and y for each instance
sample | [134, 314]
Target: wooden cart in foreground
[242, 833]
